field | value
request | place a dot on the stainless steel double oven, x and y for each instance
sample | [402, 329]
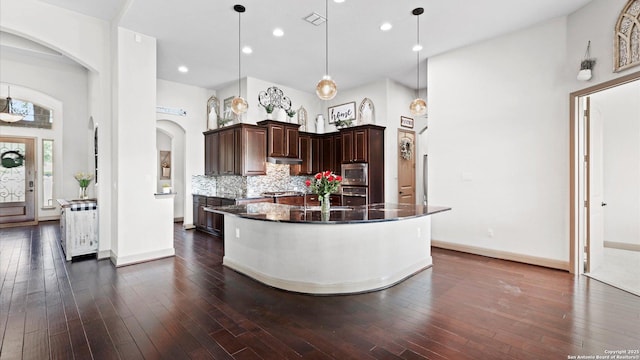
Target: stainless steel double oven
[355, 184]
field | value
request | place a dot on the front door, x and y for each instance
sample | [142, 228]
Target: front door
[406, 167]
[18, 185]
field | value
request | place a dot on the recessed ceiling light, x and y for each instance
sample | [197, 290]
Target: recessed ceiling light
[247, 50]
[277, 32]
[338, 1]
[183, 69]
[386, 26]
[417, 47]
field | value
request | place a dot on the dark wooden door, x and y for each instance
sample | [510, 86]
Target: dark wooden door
[347, 146]
[254, 147]
[315, 155]
[305, 155]
[277, 141]
[360, 145]
[227, 152]
[211, 154]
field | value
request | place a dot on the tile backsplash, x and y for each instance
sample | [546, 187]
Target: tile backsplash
[277, 179]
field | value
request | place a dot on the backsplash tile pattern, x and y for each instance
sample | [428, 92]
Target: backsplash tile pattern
[277, 179]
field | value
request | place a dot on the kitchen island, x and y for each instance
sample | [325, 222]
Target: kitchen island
[352, 249]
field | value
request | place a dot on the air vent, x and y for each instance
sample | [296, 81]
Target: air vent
[315, 19]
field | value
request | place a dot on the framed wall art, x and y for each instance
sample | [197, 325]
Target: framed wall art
[343, 112]
[406, 122]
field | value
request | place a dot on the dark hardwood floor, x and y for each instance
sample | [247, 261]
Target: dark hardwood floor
[191, 307]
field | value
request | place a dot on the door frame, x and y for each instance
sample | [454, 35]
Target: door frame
[576, 262]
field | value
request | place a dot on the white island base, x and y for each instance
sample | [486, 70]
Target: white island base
[336, 258]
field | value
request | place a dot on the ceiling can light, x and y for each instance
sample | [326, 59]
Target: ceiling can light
[7, 114]
[239, 105]
[183, 69]
[418, 106]
[386, 26]
[277, 32]
[326, 89]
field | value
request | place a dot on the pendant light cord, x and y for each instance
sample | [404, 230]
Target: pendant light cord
[418, 59]
[326, 37]
[239, 57]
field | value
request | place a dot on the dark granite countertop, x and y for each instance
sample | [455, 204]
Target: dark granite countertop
[229, 195]
[338, 214]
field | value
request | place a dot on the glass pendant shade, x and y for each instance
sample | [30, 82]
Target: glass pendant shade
[7, 114]
[418, 107]
[326, 88]
[239, 105]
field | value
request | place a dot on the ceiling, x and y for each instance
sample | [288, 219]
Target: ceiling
[203, 35]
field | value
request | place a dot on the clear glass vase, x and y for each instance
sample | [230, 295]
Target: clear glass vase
[83, 193]
[325, 203]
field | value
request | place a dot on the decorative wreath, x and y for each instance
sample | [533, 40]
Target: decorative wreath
[11, 159]
[406, 148]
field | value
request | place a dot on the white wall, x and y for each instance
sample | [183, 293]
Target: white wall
[251, 87]
[56, 85]
[190, 127]
[498, 143]
[87, 41]
[595, 22]
[619, 111]
[498, 133]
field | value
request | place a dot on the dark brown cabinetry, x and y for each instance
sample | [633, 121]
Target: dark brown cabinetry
[207, 221]
[332, 152]
[365, 144]
[362, 143]
[335, 199]
[319, 152]
[210, 222]
[282, 139]
[212, 161]
[236, 150]
[310, 153]
[290, 200]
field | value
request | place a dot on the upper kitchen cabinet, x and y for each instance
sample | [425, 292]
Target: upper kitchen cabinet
[331, 147]
[362, 143]
[236, 150]
[282, 139]
[211, 162]
[310, 153]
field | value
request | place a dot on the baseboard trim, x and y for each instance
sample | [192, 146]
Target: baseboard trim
[305, 287]
[104, 254]
[16, 224]
[188, 226]
[503, 255]
[119, 261]
[622, 246]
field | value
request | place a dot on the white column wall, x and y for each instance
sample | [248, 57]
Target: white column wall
[145, 224]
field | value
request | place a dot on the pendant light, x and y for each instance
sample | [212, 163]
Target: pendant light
[418, 106]
[7, 114]
[239, 105]
[326, 88]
